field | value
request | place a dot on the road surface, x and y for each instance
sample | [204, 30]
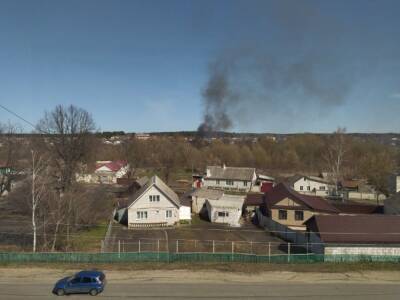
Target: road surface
[25, 284]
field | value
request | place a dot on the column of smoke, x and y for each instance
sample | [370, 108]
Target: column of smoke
[251, 78]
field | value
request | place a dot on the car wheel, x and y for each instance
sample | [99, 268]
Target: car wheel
[93, 292]
[60, 292]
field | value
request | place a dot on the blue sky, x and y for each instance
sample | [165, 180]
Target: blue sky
[142, 65]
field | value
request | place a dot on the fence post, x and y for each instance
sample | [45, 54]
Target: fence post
[269, 252]
[233, 249]
[307, 250]
[177, 246]
[251, 247]
[139, 246]
[195, 245]
[119, 248]
[288, 247]
[102, 246]
[123, 246]
[158, 250]
[213, 246]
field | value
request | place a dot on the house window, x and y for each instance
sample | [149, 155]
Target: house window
[309, 188]
[299, 215]
[301, 188]
[223, 214]
[322, 188]
[229, 182]
[217, 181]
[168, 214]
[282, 214]
[141, 215]
[245, 183]
[154, 198]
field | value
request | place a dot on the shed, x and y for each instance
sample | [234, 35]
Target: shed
[226, 210]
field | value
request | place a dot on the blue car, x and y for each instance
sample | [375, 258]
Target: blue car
[84, 282]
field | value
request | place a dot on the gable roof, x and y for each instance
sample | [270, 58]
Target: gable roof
[227, 201]
[292, 180]
[207, 193]
[142, 180]
[158, 183]
[230, 173]
[356, 229]
[282, 191]
[113, 166]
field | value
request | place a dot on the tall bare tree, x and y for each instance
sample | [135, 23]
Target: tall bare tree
[334, 155]
[67, 132]
[38, 191]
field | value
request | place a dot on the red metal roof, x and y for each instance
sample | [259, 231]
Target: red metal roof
[114, 166]
[358, 229]
[282, 191]
[254, 199]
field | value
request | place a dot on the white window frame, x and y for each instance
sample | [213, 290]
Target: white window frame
[141, 215]
[168, 214]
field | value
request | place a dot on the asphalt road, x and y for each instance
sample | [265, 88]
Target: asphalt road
[216, 290]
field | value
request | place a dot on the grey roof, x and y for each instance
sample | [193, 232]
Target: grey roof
[292, 180]
[230, 173]
[157, 182]
[207, 193]
[228, 201]
[142, 180]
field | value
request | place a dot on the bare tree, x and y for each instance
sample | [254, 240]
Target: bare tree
[38, 191]
[334, 155]
[67, 132]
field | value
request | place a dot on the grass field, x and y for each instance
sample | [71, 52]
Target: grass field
[90, 239]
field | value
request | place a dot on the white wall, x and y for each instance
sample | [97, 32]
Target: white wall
[354, 250]
[237, 184]
[184, 213]
[197, 203]
[232, 219]
[363, 196]
[321, 189]
[156, 211]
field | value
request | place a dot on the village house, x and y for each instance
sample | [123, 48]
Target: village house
[105, 172]
[355, 235]
[233, 179]
[226, 210]
[311, 185]
[290, 208]
[156, 204]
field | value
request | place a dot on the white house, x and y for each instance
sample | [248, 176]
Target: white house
[311, 185]
[226, 210]
[156, 204]
[230, 178]
[106, 172]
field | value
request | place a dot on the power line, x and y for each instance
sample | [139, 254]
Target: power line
[18, 116]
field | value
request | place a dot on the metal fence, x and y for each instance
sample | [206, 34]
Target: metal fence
[209, 246]
[186, 257]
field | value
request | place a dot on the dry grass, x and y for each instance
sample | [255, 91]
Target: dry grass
[246, 268]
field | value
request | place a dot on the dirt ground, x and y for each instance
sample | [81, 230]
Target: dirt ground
[201, 237]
